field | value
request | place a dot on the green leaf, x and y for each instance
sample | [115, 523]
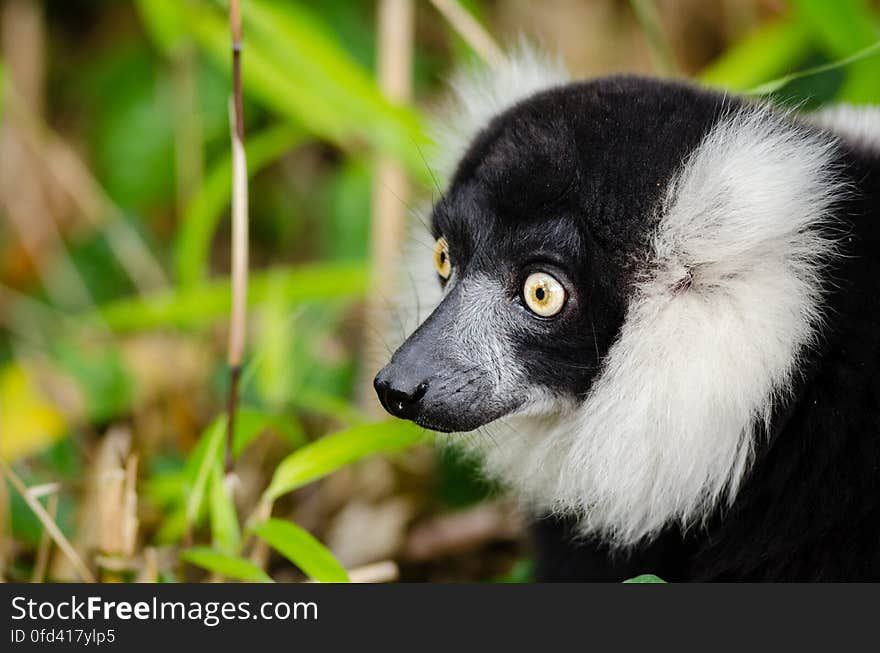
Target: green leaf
[777, 84]
[225, 532]
[205, 303]
[843, 27]
[338, 450]
[225, 565]
[297, 39]
[203, 213]
[770, 51]
[202, 478]
[173, 527]
[208, 455]
[201, 464]
[302, 549]
[645, 578]
[162, 21]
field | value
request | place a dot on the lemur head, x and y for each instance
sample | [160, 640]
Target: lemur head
[630, 271]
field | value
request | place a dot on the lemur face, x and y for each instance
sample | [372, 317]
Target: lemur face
[538, 239]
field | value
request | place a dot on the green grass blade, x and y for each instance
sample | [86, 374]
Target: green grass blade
[173, 527]
[770, 51]
[777, 84]
[225, 531]
[203, 213]
[203, 304]
[199, 475]
[225, 565]
[298, 40]
[202, 463]
[302, 549]
[335, 451]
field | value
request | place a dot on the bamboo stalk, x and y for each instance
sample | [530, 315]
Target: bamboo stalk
[470, 30]
[42, 562]
[129, 526]
[149, 572]
[386, 571]
[658, 45]
[238, 317]
[390, 184]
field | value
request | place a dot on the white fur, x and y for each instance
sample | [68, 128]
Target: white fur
[479, 94]
[729, 298]
[860, 126]
[417, 287]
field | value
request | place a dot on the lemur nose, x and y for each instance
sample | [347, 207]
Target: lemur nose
[399, 397]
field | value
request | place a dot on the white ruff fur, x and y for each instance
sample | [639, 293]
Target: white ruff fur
[859, 126]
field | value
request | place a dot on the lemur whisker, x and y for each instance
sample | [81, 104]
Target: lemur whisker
[428, 168]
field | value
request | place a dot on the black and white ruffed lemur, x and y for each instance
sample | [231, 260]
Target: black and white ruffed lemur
[660, 320]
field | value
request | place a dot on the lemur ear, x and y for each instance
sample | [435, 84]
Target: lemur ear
[749, 206]
[480, 93]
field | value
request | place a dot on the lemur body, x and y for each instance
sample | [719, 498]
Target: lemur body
[661, 321]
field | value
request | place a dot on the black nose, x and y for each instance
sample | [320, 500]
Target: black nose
[399, 396]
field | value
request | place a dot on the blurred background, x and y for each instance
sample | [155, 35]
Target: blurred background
[115, 182]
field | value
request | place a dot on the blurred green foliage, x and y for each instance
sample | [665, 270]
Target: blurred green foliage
[814, 33]
[315, 122]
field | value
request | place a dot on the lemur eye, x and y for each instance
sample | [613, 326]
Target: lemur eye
[543, 294]
[441, 258]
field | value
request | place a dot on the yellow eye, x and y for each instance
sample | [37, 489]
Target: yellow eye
[543, 294]
[441, 258]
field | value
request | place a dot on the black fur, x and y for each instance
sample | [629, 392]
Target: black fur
[570, 179]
